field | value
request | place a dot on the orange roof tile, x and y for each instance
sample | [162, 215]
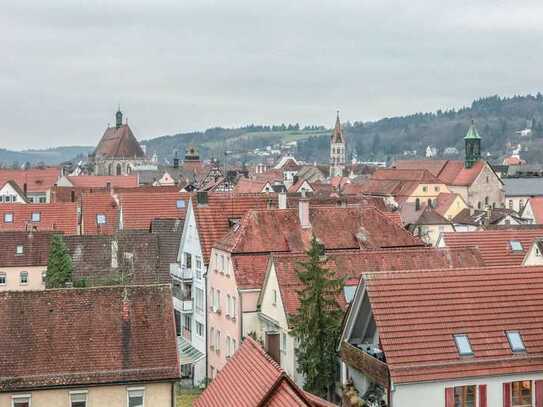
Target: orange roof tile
[351, 264]
[396, 174]
[495, 245]
[246, 185]
[252, 378]
[536, 203]
[99, 203]
[140, 208]
[95, 181]
[36, 179]
[53, 216]
[418, 314]
[216, 218]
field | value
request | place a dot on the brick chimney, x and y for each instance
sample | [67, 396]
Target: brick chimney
[303, 212]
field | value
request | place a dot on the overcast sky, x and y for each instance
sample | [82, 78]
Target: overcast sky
[186, 65]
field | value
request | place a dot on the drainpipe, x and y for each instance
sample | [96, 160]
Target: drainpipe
[207, 323]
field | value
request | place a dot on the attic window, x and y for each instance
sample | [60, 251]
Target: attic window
[515, 341]
[516, 246]
[463, 345]
[36, 217]
[101, 219]
[180, 204]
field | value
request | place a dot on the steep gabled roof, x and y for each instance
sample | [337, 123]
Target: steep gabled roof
[221, 212]
[247, 186]
[140, 208]
[495, 245]
[252, 378]
[81, 337]
[118, 142]
[35, 248]
[536, 204]
[396, 174]
[36, 179]
[60, 217]
[279, 230]
[351, 264]
[418, 313]
[99, 203]
[101, 181]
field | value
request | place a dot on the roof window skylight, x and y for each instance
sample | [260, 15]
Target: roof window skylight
[463, 345]
[515, 341]
[516, 246]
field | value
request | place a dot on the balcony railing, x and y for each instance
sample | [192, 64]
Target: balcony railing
[368, 360]
[181, 272]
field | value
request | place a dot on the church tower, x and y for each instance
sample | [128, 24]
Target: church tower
[473, 146]
[337, 150]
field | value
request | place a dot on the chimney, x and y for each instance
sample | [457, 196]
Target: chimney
[282, 198]
[272, 346]
[303, 212]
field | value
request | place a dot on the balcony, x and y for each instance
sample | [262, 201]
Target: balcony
[182, 299]
[181, 272]
[367, 359]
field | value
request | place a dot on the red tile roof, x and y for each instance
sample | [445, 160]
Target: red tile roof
[118, 142]
[36, 179]
[140, 208]
[444, 201]
[246, 185]
[70, 194]
[216, 218]
[54, 216]
[495, 245]
[252, 378]
[417, 314]
[279, 230]
[396, 174]
[450, 172]
[35, 248]
[350, 265]
[95, 181]
[536, 203]
[99, 203]
[79, 337]
[250, 270]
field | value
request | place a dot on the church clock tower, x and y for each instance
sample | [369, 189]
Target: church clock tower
[473, 146]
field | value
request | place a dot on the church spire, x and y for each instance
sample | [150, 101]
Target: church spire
[337, 150]
[472, 142]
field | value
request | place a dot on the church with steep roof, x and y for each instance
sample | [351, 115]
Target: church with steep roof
[118, 151]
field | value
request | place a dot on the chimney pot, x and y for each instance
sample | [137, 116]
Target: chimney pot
[303, 213]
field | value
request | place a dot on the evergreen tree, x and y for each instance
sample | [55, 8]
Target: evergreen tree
[317, 325]
[59, 264]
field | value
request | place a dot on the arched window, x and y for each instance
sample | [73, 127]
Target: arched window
[417, 204]
[128, 169]
[429, 203]
[119, 169]
[486, 200]
[110, 169]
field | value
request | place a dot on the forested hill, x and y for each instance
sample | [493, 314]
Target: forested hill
[498, 119]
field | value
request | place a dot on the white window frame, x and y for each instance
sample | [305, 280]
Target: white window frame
[19, 250]
[35, 217]
[78, 393]
[21, 396]
[21, 277]
[99, 217]
[212, 299]
[233, 316]
[218, 341]
[8, 217]
[227, 305]
[2, 274]
[283, 346]
[274, 297]
[133, 390]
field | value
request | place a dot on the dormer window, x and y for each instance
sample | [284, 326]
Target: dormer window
[516, 246]
[463, 345]
[8, 217]
[36, 216]
[515, 341]
[19, 250]
[101, 219]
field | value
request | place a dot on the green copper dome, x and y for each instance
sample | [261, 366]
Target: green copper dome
[472, 133]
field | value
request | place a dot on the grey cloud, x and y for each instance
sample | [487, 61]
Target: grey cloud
[191, 64]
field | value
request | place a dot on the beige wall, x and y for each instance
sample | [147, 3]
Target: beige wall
[13, 278]
[456, 207]
[480, 189]
[155, 395]
[432, 191]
